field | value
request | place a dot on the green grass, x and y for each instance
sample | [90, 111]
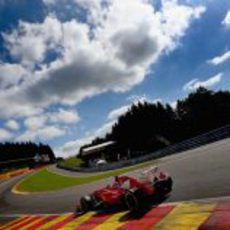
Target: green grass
[71, 162]
[44, 180]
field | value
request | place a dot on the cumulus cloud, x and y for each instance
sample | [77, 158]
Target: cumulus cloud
[46, 126]
[64, 116]
[42, 134]
[31, 41]
[220, 59]
[49, 2]
[5, 134]
[12, 125]
[60, 116]
[11, 75]
[142, 98]
[138, 98]
[17, 108]
[63, 62]
[106, 128]
[112, 55]
[35, 122]
[173, 104]
[226, 20]
[195, 83]
[72, 147]
[118, 112]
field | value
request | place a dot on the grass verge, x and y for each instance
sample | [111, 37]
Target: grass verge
[45, 181]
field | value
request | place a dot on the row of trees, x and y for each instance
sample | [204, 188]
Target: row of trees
[148, 127]
[23, 154]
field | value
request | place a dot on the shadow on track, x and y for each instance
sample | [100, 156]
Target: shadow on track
[147, 206]
[144, 209]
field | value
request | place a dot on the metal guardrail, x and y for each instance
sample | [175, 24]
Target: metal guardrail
[214, 135]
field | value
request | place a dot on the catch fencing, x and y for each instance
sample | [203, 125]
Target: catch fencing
[191, 143]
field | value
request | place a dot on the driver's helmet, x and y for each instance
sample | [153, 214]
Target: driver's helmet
[116, 181]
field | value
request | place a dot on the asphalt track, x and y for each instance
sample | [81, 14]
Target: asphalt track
[199, 173]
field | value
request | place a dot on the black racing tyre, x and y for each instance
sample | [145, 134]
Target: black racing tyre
[164, 187]
[132, 200]
[85, 204]
[169, 184]
[78, 211]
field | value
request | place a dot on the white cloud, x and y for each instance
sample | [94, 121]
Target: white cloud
[38, 127]
[36, 122]
[195, 83]
[49, 2]
[112, 55]
[138, 98]
[220, 59]
[42, 134]
[17, 108]
[142, 98]
[51, 132]
[177, 18]
[72, 147]
[118, 112]
[46, 126]
[12, 125]
[61, 116]
[5, 135]
[11, 74]
[173, 104]
[31, 41]
[106, 128]
[226, 20]
[64, 116]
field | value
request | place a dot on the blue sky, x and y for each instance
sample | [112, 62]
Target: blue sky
[68, 68]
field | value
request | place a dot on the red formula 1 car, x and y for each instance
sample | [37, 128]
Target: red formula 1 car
[128, 192]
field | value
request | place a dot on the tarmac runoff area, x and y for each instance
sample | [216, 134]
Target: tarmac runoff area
[199, 173]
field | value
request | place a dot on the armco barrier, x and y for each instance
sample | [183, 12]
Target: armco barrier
[214, 135]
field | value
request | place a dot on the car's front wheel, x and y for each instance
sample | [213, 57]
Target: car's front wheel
[132, 200]
[85, 204]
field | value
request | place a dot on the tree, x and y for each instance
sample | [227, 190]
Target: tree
[22, 154]
[148, 126]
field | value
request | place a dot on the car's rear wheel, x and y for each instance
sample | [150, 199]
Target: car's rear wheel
[164, 187]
